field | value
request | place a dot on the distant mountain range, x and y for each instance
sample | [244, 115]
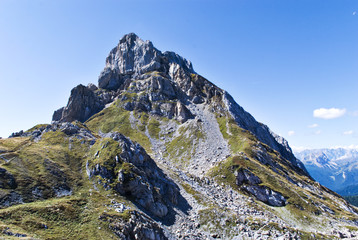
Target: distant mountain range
[336, 168]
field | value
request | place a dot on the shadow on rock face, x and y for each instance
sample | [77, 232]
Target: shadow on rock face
[169, 218]
[249, 182]
[125, 167]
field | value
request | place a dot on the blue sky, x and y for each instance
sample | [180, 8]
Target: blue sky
[280, 60]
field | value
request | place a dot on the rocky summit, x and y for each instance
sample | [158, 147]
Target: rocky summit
[156, 151]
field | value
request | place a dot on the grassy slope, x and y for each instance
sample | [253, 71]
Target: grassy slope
[301, 202]
[181, 147]
[55, 218]
[77, 215]
[30, 162]
[115, 118]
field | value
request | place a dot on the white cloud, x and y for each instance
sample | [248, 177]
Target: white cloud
[291, 133]
[318, 132]
[313, 125]
[350, 132]
[329, 113]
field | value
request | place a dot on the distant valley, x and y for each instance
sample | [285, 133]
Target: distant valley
[336, 168]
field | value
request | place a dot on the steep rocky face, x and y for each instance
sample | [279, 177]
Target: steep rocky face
[129, 170]
[156, 151]
[136, 66]
[133, 57]
[136, 226]
[82, 104]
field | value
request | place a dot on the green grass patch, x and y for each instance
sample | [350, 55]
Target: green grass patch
[13, 144]
[65, 218]
[55, 159]
[238, 138]
[104, 152]
[183, 147]
[154, 127]
[115, 118]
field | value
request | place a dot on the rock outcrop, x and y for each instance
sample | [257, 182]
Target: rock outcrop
[137, 226]
[249, 182]
[83, 103]
[78, 130]
[133, 173]
[134, 57]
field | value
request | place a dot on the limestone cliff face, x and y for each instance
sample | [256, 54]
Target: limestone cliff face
[133, 57]
[82, 104]
[136, 174]
[136, 66]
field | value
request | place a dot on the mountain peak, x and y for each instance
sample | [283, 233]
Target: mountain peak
[168, 154]
[137, 67]
[133, 57]
[130, 37]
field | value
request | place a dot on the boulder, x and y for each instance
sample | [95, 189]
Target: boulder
[9, 199]
[245, 176]
[182, 113]
[266, 195]
[17, 134]
[137, 227]
[69, 128]
[249, 182]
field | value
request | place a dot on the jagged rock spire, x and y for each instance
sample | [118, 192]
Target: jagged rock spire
[132, 57]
